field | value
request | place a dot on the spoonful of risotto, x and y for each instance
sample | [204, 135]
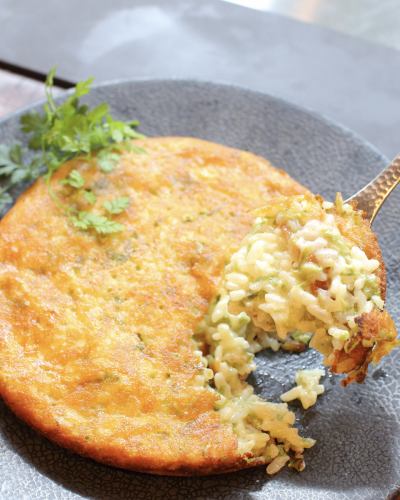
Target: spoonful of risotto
[310, 272]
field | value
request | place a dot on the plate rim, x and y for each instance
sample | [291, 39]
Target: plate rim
[312, 113]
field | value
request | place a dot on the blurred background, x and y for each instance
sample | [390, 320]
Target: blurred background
[338, 57]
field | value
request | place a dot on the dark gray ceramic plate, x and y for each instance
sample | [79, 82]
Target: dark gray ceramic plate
[357, 455]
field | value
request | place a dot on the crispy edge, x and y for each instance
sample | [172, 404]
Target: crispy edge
[44, 423]
[368, 345]
[375, 338]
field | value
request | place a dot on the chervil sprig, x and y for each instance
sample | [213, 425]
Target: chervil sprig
[90, 197]
[102, 225]
[74, 179]
[14, 169]
[61, 132]
[117, 205]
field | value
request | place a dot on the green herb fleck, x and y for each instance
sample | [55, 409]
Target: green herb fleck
[117, 205]
[102, 225]
[303, 337]
[90, 197]
[188, 218]
[74, 180]
[107, 161]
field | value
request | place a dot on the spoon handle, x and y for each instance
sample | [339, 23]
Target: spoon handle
[372, 196]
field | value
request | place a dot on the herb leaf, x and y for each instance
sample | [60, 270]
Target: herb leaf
[74, 179]
[107, 161]
[10, 159]
[102, 225]
[13, 170]
[5, 199]
[117, 205]
[90, 197]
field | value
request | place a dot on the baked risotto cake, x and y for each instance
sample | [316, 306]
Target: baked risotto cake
[107, 343]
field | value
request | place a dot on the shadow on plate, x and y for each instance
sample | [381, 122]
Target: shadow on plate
[87, 478]
[340, 473]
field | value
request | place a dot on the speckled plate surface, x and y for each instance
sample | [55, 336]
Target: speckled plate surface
[357, 455]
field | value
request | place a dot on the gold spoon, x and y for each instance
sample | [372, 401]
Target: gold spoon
[372, 196]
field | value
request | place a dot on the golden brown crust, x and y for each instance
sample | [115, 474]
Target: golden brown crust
[376, 334]
[115, 455]
[96, 345]
[375, 338]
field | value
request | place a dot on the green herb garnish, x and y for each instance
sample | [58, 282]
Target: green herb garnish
[107, 161]
[102, 225]
[14, 167]
[90, 197]
[116, 206]
[60, 133]
[74, 179]
[302, 337]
